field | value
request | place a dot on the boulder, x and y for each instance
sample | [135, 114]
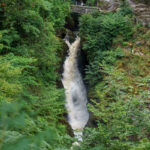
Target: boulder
[109, 5]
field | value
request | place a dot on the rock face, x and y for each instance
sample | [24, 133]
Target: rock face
[141, 8]
[109, 5]
[142, 12]
[147, 2]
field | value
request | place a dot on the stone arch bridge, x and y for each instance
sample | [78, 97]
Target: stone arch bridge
[84, 9]
[141, 11]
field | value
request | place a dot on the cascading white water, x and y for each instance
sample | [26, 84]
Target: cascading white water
[76, 98]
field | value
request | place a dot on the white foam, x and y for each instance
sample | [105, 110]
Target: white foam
[75, 91]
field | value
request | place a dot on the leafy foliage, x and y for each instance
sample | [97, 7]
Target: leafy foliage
[119, 83]
[121, 113]
[31, 106]
[99, 33]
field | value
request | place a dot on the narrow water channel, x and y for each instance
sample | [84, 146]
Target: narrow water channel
[75, 91]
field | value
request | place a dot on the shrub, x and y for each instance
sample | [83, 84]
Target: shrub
[98, 33]
[121, 114]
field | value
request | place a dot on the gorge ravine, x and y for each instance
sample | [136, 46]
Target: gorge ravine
[75, 91]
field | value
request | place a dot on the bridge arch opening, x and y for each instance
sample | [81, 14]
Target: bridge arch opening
[72, 21]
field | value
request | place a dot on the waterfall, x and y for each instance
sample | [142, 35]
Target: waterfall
[75, 91]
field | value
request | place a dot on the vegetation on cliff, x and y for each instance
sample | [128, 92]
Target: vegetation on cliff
[118, 73]
[32, 113]
[31, 106]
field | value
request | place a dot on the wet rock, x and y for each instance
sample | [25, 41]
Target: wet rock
[71, 36]
[142, 12]
[62, 55]
[70, 23]
[92, 121]
[109, 5]
[138, 43]
[148, 43]
[61, 33]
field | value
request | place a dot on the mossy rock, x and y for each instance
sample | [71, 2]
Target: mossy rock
[109, 5]
[142, 1]
[61, 33]
[71, 35]
[70, 23]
